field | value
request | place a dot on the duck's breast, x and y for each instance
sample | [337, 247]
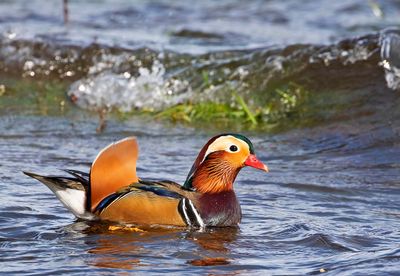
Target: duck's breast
[220, 209]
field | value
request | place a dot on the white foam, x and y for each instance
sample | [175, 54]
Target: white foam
[104, 89]
[389, 41]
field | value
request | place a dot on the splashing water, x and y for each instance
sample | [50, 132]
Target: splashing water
[108, 90]
[390, 54]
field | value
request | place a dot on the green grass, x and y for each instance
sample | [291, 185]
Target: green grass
[245, 108]
[32, 97]
[205, 111]
[286, 103]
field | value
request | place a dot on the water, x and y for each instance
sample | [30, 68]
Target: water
[331, 201]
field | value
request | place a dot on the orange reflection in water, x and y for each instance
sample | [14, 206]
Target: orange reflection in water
[125, 247]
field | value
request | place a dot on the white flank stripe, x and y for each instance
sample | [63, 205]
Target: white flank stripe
[184, 212]
[199, 219]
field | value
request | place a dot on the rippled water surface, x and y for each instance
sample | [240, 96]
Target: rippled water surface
[330, 203]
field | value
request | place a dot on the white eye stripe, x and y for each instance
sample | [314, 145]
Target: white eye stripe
[223, 143]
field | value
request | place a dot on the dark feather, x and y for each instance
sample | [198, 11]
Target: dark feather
[83, 177]
[157, 188]
[107, 201]
[62, 182]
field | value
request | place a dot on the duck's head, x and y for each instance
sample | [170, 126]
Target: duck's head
[219, 162]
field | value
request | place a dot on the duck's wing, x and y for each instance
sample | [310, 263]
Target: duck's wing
[150, 203]
[113, 168]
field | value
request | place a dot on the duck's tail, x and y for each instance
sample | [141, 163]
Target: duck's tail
[71, 191]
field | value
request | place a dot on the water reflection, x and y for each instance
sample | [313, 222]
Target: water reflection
[112, 252]
[214, 246]
[127, 248]
[214, 239]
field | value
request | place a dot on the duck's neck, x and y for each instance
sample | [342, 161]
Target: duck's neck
[213, 176]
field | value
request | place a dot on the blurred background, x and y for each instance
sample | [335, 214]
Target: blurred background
[265, 63]
[314, 84]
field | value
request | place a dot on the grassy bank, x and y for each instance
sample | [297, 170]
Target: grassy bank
[287, 105]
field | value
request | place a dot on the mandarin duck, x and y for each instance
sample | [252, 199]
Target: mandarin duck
[113, 192]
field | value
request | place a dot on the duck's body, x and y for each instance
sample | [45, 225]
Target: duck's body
[113, 192]
[167, 203]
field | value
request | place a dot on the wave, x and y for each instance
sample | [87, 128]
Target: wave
[284, 78]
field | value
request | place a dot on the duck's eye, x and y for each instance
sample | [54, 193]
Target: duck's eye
[233, 148]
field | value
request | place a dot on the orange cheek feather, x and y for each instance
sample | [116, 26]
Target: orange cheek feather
[236, 159]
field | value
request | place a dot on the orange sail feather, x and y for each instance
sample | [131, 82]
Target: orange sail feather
[113, 168]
